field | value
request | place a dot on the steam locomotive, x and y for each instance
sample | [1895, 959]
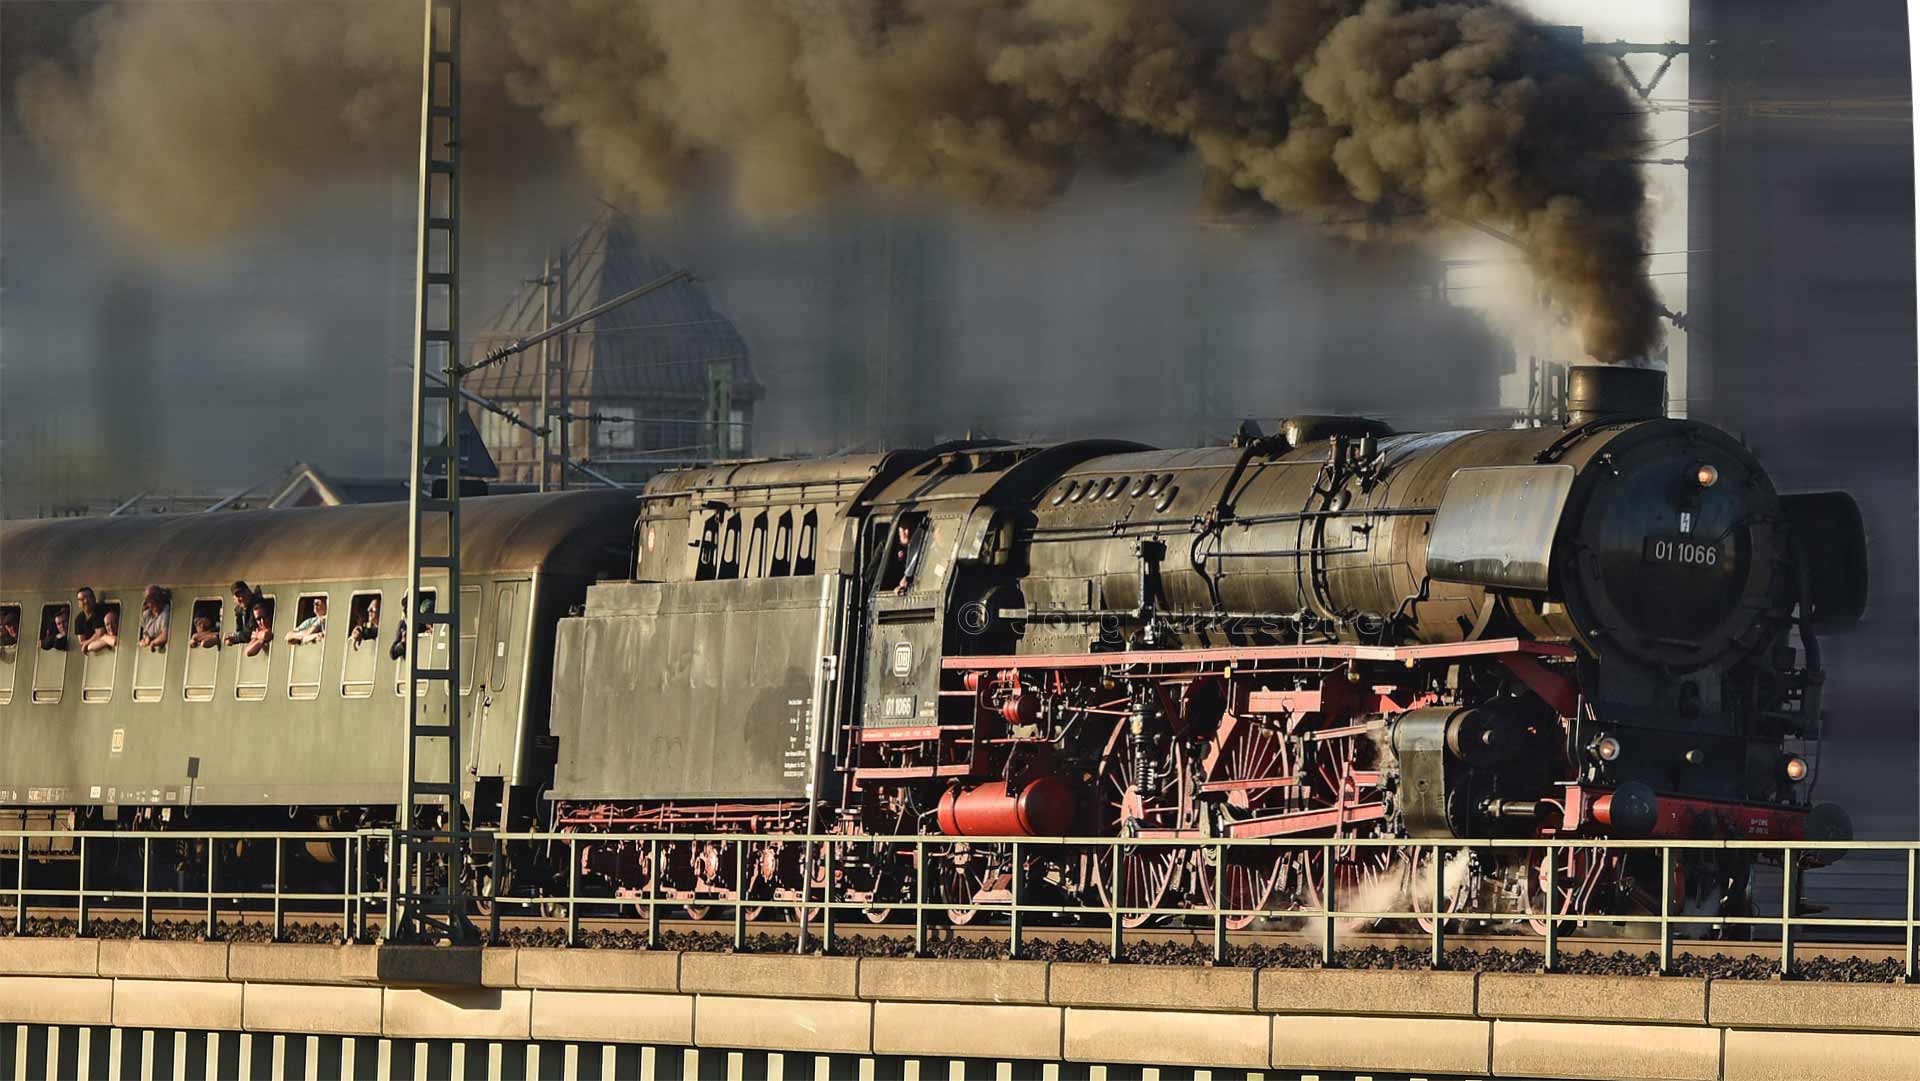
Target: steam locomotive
[1330, 632]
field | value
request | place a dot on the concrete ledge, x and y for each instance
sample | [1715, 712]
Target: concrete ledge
[1593, 998]
[598, 970]
[613, 1017]
[312, 1008]
[770, 974]
[1796, 1056]
[1605, 1052]
[1366, 991]
[1416, 1044]
[261, 962]
[905, 979]
[1862, 1007]
[177, 1004]
[1166, 1038]
[960, 1031]
[783, 1024]
[49, 956]
[465, 1013]
[56, 1000]
[163, 960]
[1174, 987]
[428, 966]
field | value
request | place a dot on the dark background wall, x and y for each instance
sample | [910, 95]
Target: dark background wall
[1804, 335]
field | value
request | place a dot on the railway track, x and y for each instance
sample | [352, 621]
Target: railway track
[1287, 946]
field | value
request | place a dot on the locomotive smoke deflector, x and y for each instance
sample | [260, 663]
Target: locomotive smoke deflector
[1496, 525]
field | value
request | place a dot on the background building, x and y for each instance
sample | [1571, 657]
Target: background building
[662, 381]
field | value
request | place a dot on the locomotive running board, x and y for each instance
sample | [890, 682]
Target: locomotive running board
[1491, 647]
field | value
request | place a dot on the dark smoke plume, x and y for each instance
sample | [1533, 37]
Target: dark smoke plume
[1372, 115]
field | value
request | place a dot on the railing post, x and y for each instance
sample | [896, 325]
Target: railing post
[1219, 903]
[919, 897]
[213, 871]
[740, 894]
[20, 887]
[1113, 901]
[653, 893]
[1019, 896]
[801, 923]
[1327, 905]
[826, 903]
[1913, 914]
[573, 889]
[279, 914]
[1666, 910]
[352, 855]
[1439, 957]
[1789, 893]
[394, 886]
[497, 867]
[83, 885]
[146, 887]
[1552, 959]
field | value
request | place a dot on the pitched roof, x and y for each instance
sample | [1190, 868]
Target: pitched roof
[658, 347]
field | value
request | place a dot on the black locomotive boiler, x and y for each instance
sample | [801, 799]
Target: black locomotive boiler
[1331, 632]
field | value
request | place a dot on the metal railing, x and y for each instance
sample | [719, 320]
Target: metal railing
[364, 896]
[66, 860]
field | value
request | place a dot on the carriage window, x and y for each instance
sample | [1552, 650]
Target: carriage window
[757, 549]
[50, 664]
[782, 547]
[150, 666]
[203, 649]
[50, 668]
[307, 647]
[804, 552]
[430, 605]
[96, 670]
[250, 682]
[469, 635]
[730, 549]
[709, 557]
[9, 649]
[363, 646]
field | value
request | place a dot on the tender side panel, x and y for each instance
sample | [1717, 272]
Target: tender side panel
[691, 690]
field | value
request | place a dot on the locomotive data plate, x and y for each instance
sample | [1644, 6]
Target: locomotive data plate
[1684, 552]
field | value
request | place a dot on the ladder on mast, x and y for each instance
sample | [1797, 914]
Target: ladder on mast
[431, 850]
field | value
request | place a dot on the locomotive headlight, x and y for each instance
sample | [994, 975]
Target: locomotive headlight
[1794, 768]
[1606, 748]
[1707, 475]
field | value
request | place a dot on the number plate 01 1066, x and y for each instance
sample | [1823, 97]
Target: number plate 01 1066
[1683, 552]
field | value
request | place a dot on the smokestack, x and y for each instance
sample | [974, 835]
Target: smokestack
[1610, 392]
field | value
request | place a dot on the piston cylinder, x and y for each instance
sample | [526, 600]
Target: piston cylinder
[1044, 807]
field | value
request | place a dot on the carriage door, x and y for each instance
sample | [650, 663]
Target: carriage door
[498, 723]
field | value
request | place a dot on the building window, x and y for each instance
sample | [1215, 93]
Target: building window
[499, 433]
[614, 428]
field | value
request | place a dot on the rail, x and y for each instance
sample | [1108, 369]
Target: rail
[360, 876]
